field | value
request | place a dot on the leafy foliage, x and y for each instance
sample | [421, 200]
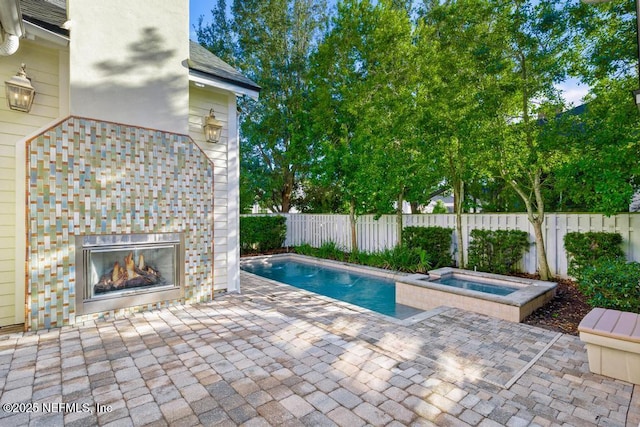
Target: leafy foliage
[439, 207]
[373, 103]
[400, 258]
[456, 107]
[497, 251]
[330, 250]
[612, 283]
[365, 109]
[435, 241]
[603, 172]
[262, 233]
[527, 150]
[271, 42]
[587, 249]
[305, 249]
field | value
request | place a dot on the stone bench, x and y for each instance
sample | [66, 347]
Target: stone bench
[612, 338]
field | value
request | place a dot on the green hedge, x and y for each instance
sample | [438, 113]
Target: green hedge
[435, 241]
[400, 258]
[497, 251]
[611, 283]
[598, 263]
[262, 233]
[586, 249]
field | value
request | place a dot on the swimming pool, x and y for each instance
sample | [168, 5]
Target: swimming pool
[364, 290]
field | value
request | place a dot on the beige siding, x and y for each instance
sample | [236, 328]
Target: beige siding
[43, 69]
[200, 102]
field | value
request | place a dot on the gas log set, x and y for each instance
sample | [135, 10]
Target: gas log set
[128, 275]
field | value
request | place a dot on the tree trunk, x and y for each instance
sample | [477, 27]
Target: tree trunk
[286, 199]
[458, 197]
[399, 217]
[352, 223]
[415, 207]
[541, 252]
[535, 214]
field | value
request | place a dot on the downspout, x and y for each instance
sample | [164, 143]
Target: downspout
[11, 27]
[10, 44]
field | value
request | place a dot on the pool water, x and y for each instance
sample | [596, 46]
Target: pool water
[371, 292]
[477, 286]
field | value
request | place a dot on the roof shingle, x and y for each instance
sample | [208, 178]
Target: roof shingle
[200, 59]
[45, 15]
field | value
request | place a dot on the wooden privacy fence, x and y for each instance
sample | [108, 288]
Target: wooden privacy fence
[375, 235]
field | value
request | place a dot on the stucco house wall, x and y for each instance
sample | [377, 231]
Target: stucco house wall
[127, 64]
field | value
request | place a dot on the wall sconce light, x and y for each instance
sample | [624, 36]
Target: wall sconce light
[19, 91]
[212, 127]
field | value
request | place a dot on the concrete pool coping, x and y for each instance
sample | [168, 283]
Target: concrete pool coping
[363, 269]
[422, 291]
[414, 291]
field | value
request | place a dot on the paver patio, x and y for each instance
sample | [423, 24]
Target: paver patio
[276, 355]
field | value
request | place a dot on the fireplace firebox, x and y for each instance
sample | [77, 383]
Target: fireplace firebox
[119, 271]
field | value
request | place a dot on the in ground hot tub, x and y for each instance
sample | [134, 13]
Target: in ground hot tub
[504, 297]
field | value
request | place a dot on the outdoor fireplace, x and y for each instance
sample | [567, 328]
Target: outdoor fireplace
[119, 271]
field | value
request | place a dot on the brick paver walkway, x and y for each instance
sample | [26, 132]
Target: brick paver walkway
[276, 355]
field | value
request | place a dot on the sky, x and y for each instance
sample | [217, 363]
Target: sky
[196, 9]
[573, 91]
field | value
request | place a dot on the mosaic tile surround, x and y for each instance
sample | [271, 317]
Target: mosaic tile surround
[92, 177]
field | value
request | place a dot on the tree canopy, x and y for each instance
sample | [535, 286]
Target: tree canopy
[376, 103]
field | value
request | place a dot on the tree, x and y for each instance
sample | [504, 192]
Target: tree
[535, 46]
[273, 42]
[365, 109]
[604, 173]
[400, 163]
[218, 36]
[456, 106]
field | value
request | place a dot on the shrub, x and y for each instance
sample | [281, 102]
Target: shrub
[401, 258]
[439, 207]
[262, 233]
[586, 249]
[305, 249]
[497, 251]
[361, 257]
[611, 283]
[435, 241]
[330, 250]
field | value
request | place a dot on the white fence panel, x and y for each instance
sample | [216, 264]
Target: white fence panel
[375, 235]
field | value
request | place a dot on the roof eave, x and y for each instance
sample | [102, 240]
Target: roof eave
[34, 31]
[220, 83]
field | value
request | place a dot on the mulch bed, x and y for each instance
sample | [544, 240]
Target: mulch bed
[564, 313]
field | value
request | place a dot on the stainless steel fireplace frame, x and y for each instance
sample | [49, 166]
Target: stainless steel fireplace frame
[86, 303]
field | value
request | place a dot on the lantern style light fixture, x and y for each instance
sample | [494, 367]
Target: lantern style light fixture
[212, 127]
[19, 91]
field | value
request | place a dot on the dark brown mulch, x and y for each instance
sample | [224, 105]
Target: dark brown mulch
[564, 313]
